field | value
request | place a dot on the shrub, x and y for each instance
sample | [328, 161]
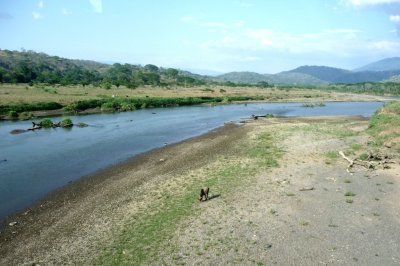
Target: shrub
[25, 115]
[349, 194]
[108, 106]
[46, 123]
[67, 122]
[80, 124]
[13, 114]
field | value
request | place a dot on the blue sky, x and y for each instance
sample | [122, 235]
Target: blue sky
[265, 36]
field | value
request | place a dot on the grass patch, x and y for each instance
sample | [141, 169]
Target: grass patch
[349, 194]
[356, 147]
[331, 157]
[273, 211]
[304, 223]
[349, 200]
[384, 125]
[265, 151]
[363, 156]
[338, 130]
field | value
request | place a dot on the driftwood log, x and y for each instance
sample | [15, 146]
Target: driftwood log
[35, 126]
[306, 188]
[255, 117]
[372, 163]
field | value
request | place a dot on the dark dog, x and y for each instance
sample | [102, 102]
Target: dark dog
[204, 193]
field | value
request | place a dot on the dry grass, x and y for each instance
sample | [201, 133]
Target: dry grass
[23, 93]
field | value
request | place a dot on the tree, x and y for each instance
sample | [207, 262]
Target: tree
[172, 73]
[151, 68]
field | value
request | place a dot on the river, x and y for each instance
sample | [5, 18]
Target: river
[34, 163]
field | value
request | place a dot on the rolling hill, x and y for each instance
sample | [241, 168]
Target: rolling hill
[327, 74]
[29, 66]
[243, 77]
[383, 70]
[387, 64]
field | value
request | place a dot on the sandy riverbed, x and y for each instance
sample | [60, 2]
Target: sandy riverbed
[268, 220]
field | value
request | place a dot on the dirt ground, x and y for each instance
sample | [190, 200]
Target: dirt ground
[274, 222]
[293, 214]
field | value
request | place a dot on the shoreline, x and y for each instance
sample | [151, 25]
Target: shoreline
[75, 223]
[348, 98]
[82, 185]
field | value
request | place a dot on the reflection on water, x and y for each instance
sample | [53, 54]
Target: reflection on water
[34, 163]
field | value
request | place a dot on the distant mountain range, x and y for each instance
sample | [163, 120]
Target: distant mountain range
[384, 70]
[29, 66]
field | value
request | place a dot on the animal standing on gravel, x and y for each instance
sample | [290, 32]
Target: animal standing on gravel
[204, 193]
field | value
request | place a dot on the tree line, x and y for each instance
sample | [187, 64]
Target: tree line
[31, 67]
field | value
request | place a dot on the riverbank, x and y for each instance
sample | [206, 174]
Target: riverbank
[26, 102]
[146, 210]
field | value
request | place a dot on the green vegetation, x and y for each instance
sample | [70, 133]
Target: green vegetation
[384, 126]
[363, 157]
[31, 67]
[13, 114]
[38, 68]
[312, 105]
[331, 157]
[25, 107]
[25, 115]
[265, 150]
[123, 104]
[331, 129]
[46, 123]
[349, 194]
[80, 124]
[67, 122]
[356, 147]
[349, 200]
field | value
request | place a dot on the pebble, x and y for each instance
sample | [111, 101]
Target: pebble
[13, 223]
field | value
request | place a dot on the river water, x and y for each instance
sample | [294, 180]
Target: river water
[34, 163]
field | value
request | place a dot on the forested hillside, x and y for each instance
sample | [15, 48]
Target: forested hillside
[32, 67]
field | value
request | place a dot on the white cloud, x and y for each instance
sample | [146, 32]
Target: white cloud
[187, 19]
[213, 25]
[340, 43]
[65, 12]
[244, 3]
[369, 2]
[389, 46]
[219, 25]
[97, 5]
[36, 15]
[395, 18]
[40, 4]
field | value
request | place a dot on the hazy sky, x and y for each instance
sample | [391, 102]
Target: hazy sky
[266, 36]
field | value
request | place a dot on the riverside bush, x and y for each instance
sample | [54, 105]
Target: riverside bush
[46, 123]
[67, 122]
